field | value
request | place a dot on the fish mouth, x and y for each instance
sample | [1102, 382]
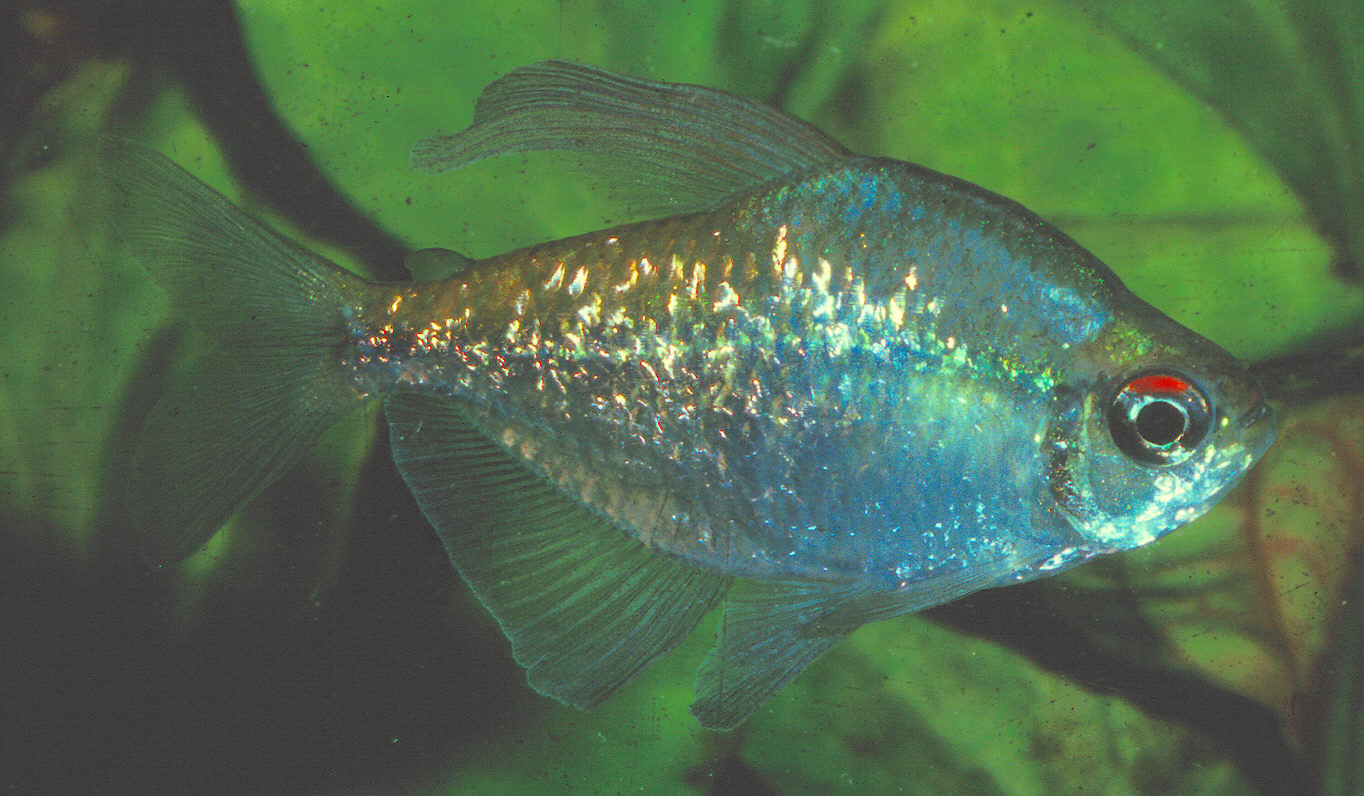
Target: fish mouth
[1258, 427]
[1255, 415]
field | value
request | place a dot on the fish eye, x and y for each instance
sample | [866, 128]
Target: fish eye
[1159, 418]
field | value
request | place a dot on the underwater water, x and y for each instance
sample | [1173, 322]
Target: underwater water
[322, 643]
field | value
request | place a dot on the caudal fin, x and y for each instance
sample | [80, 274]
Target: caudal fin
[270, 380]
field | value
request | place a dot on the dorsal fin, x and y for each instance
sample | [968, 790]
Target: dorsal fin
[674, 144]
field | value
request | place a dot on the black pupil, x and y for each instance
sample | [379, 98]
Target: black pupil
[1160, 423]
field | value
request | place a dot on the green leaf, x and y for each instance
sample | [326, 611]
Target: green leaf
[908, 702]
[1287, 75]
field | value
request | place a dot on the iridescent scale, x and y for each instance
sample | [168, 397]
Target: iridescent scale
[793, 384]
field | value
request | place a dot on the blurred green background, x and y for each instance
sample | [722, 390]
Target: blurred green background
[321, 644]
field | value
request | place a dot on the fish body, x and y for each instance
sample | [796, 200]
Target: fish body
[839, 389]
[788, 385]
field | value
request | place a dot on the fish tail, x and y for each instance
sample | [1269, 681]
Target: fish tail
[270, 378]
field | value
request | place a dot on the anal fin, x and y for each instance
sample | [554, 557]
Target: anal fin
[585, 606]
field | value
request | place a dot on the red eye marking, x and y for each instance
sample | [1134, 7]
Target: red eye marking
[1158, 384]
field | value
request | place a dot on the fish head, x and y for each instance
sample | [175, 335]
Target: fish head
[1158, 425]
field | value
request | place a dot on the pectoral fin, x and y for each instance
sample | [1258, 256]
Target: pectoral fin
[770, 632]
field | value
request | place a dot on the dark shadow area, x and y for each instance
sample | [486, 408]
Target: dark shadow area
[199, 47]
[1108, 649]
[1321, 369]
[728, 775]
[1334, 719]
[109, 687]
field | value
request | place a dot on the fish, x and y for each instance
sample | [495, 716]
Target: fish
[816, 390]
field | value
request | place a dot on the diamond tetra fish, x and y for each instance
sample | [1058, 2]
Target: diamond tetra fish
[830, 389]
